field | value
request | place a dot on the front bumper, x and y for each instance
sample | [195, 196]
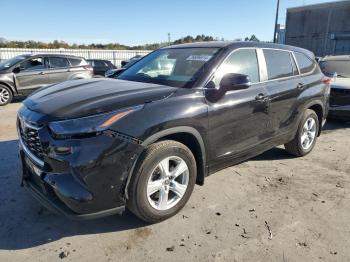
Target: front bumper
[88, 182]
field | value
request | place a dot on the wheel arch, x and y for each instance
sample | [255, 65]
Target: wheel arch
[191, 138]
[12, 89]
[318, 108]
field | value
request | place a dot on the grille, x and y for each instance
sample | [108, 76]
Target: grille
[30, 138]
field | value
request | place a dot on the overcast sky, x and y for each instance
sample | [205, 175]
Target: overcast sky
[139, 22]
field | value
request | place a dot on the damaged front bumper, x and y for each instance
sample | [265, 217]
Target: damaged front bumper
[87, 182]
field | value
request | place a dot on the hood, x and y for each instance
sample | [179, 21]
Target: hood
[78, 98]
[343, 83]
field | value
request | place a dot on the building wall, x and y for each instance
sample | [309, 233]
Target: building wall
[323, 28]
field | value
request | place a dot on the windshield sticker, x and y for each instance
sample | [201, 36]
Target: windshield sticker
[203, 58]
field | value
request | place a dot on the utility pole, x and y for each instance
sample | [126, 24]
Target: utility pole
[276, 22]
[169, 39]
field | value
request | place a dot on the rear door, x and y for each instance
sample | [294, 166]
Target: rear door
[58, 69]
[32, 75]
[283, 87]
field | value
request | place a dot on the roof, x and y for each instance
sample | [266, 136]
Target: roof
[240, 44]
[97, 59]
[52, 54]
[319, 6]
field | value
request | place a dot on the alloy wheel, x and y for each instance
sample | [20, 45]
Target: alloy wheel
[4, 96]
[168, 183]
[308, 133]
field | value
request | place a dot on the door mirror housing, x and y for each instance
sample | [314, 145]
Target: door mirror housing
[16, 70]
[233, 81]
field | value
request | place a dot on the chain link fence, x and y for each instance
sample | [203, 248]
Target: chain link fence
[115, 56]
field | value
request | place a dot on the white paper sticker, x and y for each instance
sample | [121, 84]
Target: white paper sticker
[203, 58]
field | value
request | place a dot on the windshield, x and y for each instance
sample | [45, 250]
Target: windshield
[178, 67]
[341, 67]
[10, 62]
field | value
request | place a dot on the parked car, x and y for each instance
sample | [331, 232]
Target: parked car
[113, 73]
[338, 67]
[101, 66]
[144, 140]
[23, 74]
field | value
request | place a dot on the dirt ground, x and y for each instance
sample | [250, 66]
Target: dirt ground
[304, 202]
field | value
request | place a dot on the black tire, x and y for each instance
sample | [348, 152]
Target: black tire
[294, 147]
[6, 95]
[137, 191]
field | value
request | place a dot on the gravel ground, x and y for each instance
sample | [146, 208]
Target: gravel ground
[303, 202]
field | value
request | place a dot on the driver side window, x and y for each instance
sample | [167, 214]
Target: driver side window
[243, 61]
[36, 63]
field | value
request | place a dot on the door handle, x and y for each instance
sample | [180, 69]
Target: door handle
[300, 86]
[261, 97]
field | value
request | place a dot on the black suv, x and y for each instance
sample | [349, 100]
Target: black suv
[23, 74]
[100, 66]
[181, 113]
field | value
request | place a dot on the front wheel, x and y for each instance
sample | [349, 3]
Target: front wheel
[164, 181]
[5, 95]
[306, 136]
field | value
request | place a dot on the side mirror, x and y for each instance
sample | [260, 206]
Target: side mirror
[233, 81]
[16, 70]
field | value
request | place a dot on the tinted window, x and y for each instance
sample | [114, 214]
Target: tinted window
[305, 64]
[58, 62]
[77, 62]
[33, 64]
[99, 63]
[242, 61]
[278, 64]
[341, 67]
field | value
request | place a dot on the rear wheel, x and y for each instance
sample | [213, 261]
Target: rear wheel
[306, 136]
[5, 95]
[164, 181]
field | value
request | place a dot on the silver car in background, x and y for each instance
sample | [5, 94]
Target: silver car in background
[23, 74]
[338, 68]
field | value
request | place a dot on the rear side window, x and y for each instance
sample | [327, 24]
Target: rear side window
[77, 62]
[243, 61]
[279, 64]
[58, 62]
[306, 65]
[99, 63]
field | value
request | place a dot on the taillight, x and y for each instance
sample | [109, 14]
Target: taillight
[88, 68]
[327, 81]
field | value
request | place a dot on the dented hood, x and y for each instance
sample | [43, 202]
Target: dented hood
[78, 98]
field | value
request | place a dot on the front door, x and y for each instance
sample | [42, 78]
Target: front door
[239, 120]
[32, 75]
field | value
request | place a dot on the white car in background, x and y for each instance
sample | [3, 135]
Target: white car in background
[338, 68]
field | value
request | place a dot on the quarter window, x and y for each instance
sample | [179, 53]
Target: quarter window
[305, 64]
[77, 62]
[278, 64]
[58, 62]
[243, 61]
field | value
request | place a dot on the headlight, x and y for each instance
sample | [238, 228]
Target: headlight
[90, 124]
